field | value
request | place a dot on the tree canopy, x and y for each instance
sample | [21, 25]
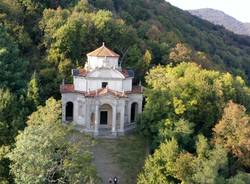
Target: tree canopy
[188, 92]
[183, 105]
[12, 67]
[233, 132]
[46, 153]
[171, 164]
[41, 41]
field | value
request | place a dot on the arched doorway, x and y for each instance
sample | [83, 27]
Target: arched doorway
[69, 111]
[106, 115]
[134, 112]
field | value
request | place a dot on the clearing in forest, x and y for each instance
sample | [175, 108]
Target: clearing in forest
[122, 157]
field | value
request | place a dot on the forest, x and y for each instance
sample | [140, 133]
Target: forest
[196, 74]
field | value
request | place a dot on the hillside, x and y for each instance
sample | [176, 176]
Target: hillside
[247, 25]
[42, 41]
[48, 39]
[160, 26]
[220, 18]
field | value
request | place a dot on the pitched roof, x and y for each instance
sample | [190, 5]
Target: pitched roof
[103, 51]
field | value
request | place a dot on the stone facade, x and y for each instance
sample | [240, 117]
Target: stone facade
[102, 100]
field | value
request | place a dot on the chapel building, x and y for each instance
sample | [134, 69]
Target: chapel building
[102, 99]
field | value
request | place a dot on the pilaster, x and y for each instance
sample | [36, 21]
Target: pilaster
[122, 116]
[97, 107]
[114, 132]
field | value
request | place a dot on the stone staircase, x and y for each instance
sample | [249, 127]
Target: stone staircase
[103, 132]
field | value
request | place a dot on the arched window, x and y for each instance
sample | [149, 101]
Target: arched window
[134, 112]
[69, 111]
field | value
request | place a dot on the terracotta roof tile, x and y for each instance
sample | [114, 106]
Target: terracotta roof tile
[103, 51]
[105, 91]
[136, 89]
[125, 73]
[83, 72]
[67, 88]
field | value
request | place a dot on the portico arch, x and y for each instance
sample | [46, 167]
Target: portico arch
[69, 111]
[134, 112]
[106, 114]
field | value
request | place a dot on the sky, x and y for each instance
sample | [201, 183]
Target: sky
[239, 9]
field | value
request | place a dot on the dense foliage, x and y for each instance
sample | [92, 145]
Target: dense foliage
[45, 153]
[187, 100]
[41, 41]
[51, 37]
[161, 26]
[184, 103]
[232, 132]
[12, 67]
[171, 164]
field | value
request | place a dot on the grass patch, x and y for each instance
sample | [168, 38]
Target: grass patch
[129, 152]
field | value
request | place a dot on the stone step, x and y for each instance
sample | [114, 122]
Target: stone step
[105, 133]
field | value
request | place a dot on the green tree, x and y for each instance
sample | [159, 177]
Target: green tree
[9, 126]
[178, 129]
[240, 178]
[50, 22]
[159, 167]
[35, 4]
[48, 114]
[8, 117]
[5, 176]
[171, 164]
[56, 155]
[33, 90]
[191, 93]
[52, 158]
[147, 60]
[210, 163]
[12, 67]
[134, 60]
[12, 17]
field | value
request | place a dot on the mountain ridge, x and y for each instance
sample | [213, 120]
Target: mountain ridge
[221, 18]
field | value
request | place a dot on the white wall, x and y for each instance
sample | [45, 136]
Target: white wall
[84, 107]
[94, 84]
[97, 62]
[80, 83]
[127, 84]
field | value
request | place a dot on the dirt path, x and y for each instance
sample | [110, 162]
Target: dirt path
[105, 164]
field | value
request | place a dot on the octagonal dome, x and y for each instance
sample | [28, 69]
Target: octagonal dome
[106, 73]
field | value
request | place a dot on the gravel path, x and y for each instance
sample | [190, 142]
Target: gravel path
[106, 166]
